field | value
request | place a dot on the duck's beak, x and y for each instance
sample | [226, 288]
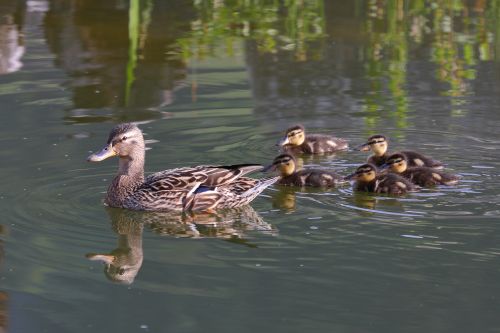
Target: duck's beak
[106, 152]
[363, 147]
[269, 168]
[105, 258]
[283, 141]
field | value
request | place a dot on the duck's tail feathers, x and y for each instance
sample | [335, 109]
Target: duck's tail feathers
[250, 194]
[244, 168]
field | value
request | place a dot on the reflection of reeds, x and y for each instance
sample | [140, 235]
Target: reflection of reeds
[137, 25]
[458, 33]
[386, 61]
[275, 26]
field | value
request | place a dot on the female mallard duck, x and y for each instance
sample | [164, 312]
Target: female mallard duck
[379, 144]
[297, 142]
[422, 176]
[182, 189]
[286, 165]
[367, 179]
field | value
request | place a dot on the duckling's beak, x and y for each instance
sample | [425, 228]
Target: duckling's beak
[351, 176]
[106, 152]
[269, 168]
[283, 141]
[363, 147]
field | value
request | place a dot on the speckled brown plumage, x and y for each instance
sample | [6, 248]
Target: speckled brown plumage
[181, 189]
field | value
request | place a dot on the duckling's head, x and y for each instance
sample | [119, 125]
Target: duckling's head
[376, 143]
[294, 136]
[397, 162]
[364, 173]
[125, 141]
[285, 164]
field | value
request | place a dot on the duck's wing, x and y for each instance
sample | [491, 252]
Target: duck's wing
[416, 159]
[188, 177]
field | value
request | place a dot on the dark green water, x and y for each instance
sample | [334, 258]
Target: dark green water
[216, 83]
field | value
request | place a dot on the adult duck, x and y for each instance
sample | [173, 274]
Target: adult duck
[198, 188]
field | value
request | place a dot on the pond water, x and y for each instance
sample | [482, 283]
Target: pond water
[218, 82]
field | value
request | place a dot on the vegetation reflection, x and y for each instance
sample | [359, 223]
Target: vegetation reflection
[137, 56]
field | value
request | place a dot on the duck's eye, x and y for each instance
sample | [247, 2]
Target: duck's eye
[124, 138]
[121, 271]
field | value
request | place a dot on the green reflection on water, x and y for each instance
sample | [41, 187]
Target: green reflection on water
[156, 48]
[459, 34]
[275, 26]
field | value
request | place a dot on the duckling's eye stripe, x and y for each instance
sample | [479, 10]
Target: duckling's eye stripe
[284, 160]
[294, 133]
[375, 141]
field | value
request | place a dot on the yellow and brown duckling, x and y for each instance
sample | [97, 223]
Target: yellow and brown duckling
[198, 188]
[286, 165]
[368, 179]
[378, 144]
[297, 142]
[422, 176]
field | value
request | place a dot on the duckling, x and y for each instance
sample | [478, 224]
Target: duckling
[379, 144]
[422, 176]
[297, 142]
[198, 188]
[286, 165]
[367, 179]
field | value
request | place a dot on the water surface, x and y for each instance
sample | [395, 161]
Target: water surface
[216, 83]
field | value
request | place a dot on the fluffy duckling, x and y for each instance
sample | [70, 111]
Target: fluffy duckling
[367, 179]
[422, 176]
[378, 144]
[297, 142]
[286, 166]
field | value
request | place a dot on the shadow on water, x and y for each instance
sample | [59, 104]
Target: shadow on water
[124, 262]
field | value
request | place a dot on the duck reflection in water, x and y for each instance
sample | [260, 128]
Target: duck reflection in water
[370, 204]
[285, 199]
[124, 262]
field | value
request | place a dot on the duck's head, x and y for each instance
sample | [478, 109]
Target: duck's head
[294, 136]
[376, 143]
[285, 164]
[125, 141]
[397, 163]
[364, 173]
[117, 269]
